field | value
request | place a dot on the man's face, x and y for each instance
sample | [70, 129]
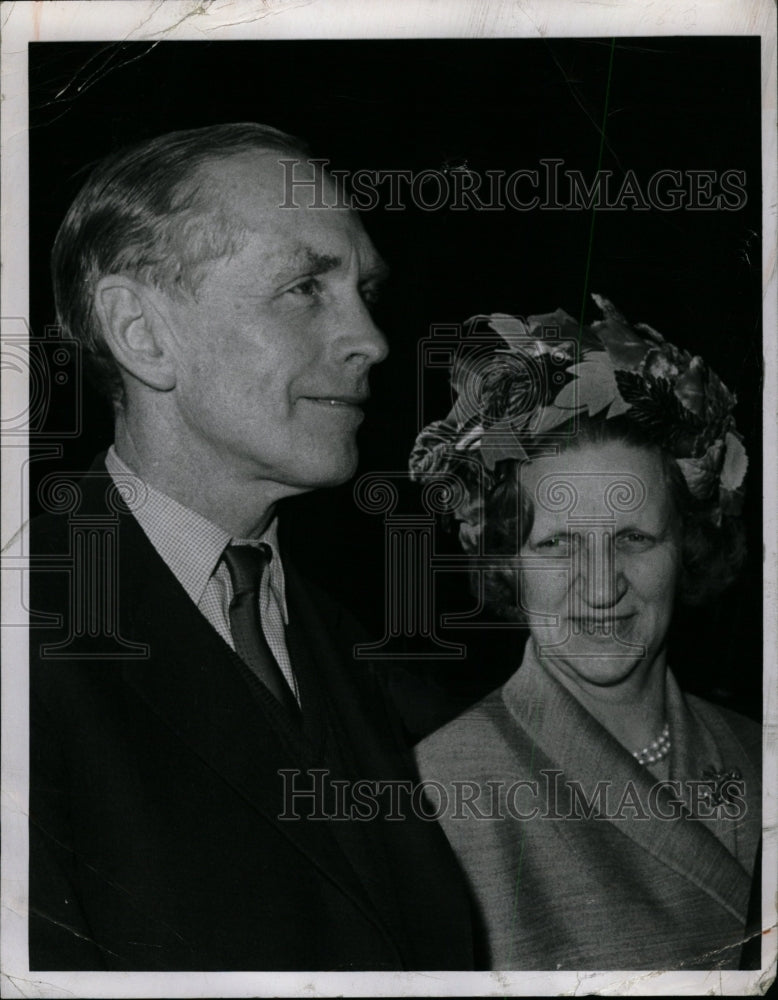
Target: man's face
[272, 352]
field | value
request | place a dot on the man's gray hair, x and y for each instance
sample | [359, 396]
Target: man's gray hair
[141, 213]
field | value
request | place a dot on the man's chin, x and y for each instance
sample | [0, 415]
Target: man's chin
[328, 476]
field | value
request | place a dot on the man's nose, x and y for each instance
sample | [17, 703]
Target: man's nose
[360, 340]
[597, 571]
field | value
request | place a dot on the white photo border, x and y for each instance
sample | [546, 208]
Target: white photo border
[181, 20]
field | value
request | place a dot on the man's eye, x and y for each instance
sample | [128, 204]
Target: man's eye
[309, 286]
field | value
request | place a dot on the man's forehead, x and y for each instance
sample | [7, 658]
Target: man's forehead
[281, 240]
[254, 182]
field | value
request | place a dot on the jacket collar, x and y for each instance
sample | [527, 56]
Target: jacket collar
[581, 748]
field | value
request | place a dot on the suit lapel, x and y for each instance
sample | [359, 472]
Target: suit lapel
[706, 744]
[196, 685]
[587, 753]
[334, 724]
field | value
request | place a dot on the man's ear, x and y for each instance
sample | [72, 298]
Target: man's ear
[135, 331]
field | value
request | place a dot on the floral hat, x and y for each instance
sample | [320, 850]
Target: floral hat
[523, 386]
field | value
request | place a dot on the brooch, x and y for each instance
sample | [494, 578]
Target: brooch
[719, 790]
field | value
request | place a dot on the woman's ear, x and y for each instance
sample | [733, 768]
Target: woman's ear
[134, 331]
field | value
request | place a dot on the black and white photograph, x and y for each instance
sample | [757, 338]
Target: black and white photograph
[388, 544]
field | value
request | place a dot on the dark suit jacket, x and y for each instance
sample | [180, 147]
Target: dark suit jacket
[155, 838]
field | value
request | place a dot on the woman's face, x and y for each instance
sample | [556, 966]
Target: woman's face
[599, 567]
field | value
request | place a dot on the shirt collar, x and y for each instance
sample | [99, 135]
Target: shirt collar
[275, 568]
[190, 544]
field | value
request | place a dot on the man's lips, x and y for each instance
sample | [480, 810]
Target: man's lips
[349, 400]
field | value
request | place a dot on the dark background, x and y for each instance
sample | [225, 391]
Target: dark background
[671, 103]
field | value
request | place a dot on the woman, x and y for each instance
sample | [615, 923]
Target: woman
[604, 819]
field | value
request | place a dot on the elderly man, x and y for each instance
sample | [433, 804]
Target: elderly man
[193, 675]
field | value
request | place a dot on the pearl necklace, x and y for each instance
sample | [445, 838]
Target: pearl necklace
[656, 750]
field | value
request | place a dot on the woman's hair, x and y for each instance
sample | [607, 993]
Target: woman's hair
[142, 213]
[712, 554]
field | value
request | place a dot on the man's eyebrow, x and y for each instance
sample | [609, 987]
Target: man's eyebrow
[314, 262]
[318, 263]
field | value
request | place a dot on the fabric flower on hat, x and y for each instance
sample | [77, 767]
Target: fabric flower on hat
[432, 452]
[530, 377]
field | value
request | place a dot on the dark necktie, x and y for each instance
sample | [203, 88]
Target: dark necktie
[246, 564]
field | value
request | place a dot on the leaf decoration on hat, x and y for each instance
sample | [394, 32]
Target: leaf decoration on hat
[649, 333]
[594, 388]
[733, 471]
[690, 387]
[701, 474]
[719, 401]
[655, 406]
[624, 345]
[551, 417]
[517, 381]
[512, 329]
[550, 331]
[502, 441]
